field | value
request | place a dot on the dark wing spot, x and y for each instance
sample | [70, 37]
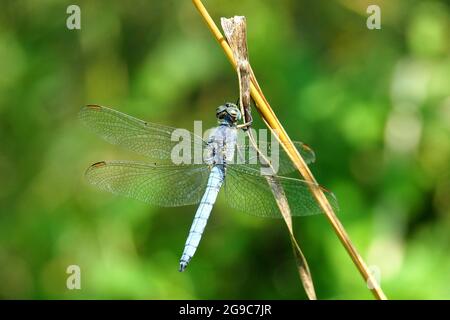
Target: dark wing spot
[94, 106]
[99, 164]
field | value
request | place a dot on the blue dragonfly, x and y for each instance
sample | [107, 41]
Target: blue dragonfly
[163, 183]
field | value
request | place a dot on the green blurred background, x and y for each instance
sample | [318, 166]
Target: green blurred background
[373, 104]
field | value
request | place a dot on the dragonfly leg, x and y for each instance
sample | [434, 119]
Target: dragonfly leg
[245, 126]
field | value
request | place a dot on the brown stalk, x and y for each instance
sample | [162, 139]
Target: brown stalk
[274, 124]
[235, 30]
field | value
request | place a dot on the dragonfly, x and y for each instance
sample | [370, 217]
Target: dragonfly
[161, 182]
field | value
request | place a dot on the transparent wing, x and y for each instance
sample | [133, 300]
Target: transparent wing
[250, 192]
[148, 139]
[248, 155]
[162, 185]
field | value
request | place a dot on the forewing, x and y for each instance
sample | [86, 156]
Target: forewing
[250, 192]
[162, 185]
[249, 156]
[148, 139]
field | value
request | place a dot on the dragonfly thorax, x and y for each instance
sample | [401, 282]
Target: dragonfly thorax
[221, 145]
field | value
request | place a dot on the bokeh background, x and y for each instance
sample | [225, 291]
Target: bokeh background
[373, 104]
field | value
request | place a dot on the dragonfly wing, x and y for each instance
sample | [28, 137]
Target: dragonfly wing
[305, 151]
[163, 185]
[249, 156]
[247, 190]
[148, 139]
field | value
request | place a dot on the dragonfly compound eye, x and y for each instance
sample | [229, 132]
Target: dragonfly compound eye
[221, 111]
[234, 113]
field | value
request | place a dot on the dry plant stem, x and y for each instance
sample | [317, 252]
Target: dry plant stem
[235, 30]
[236, 33]
[272, 121]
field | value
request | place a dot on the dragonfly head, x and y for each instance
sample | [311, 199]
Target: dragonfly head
[228, 113]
